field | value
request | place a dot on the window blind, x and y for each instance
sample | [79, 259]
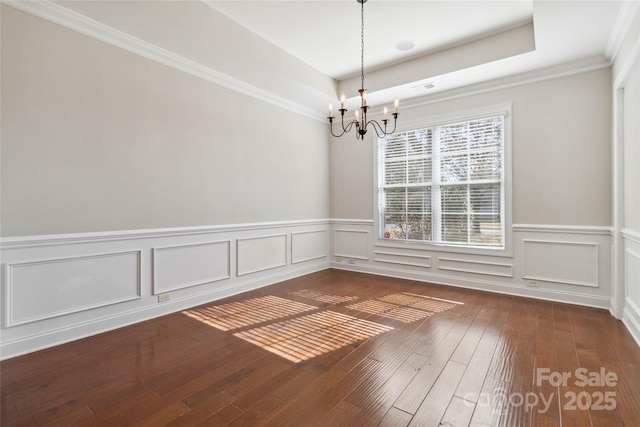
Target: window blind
[444, 184]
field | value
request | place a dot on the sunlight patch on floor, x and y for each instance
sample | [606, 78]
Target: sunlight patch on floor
[240, 314]
[318, 296]
[405, 307]
[309, 336]
[422, 302]
[391, 311]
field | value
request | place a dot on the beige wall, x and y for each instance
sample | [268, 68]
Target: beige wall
[561, 150]
[95, 138]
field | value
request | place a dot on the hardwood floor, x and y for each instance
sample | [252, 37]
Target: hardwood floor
[371, 350]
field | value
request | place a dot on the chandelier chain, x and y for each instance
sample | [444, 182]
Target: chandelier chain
[362, 44]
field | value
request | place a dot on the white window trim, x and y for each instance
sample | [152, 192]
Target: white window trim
[467, 115]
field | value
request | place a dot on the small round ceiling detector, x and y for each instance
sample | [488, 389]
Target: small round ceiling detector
[405, 44]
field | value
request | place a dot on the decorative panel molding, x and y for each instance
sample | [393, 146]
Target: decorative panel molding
[261, 253]
[309, 245]
[632, 276]
[179, 267]
[631, 236]
[403, 259]
[476, 267]
[573, 263]
[43, 289]
[351, 244]
[563, 229]
[631, 318]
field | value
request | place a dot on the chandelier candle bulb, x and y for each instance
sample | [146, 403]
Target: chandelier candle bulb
[396, 107]
[330, 110]
[342, 101]
[385, 113]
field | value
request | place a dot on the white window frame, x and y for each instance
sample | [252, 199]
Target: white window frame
[468, 115]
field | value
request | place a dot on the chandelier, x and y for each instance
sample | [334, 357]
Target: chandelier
[360, 123]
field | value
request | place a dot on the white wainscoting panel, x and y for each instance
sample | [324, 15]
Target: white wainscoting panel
[261, 253]
[351, 244]
[409, 259]
[178, 267]
[573, 263]
[476, 267]
[570, 263]
[632, 275]
[631, 310]
[60, 288]
[309, 245]
[39, 290]
[631, 318]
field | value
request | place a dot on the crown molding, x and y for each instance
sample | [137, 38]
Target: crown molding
[69, 19]
[548, 73]
[625, 18]
[60, 15]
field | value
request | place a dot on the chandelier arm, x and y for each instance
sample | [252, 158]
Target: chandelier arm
[380, 130]
[336, 136]
[349, 126]
[331, 127]
[345, 129]
[395, 122]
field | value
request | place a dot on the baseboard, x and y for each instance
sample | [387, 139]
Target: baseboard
[631, 319]
[483, 285]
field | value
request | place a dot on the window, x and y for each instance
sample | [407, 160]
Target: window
[444, 184]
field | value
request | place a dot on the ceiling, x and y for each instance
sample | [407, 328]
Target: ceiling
[326, 35]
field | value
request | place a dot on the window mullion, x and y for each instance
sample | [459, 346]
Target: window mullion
[406, 188]
[436, 220]
[468, 186]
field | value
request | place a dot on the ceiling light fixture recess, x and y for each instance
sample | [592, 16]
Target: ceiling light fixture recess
[360, 122]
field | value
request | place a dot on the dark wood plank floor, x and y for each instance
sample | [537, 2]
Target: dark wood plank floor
[494, 360]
